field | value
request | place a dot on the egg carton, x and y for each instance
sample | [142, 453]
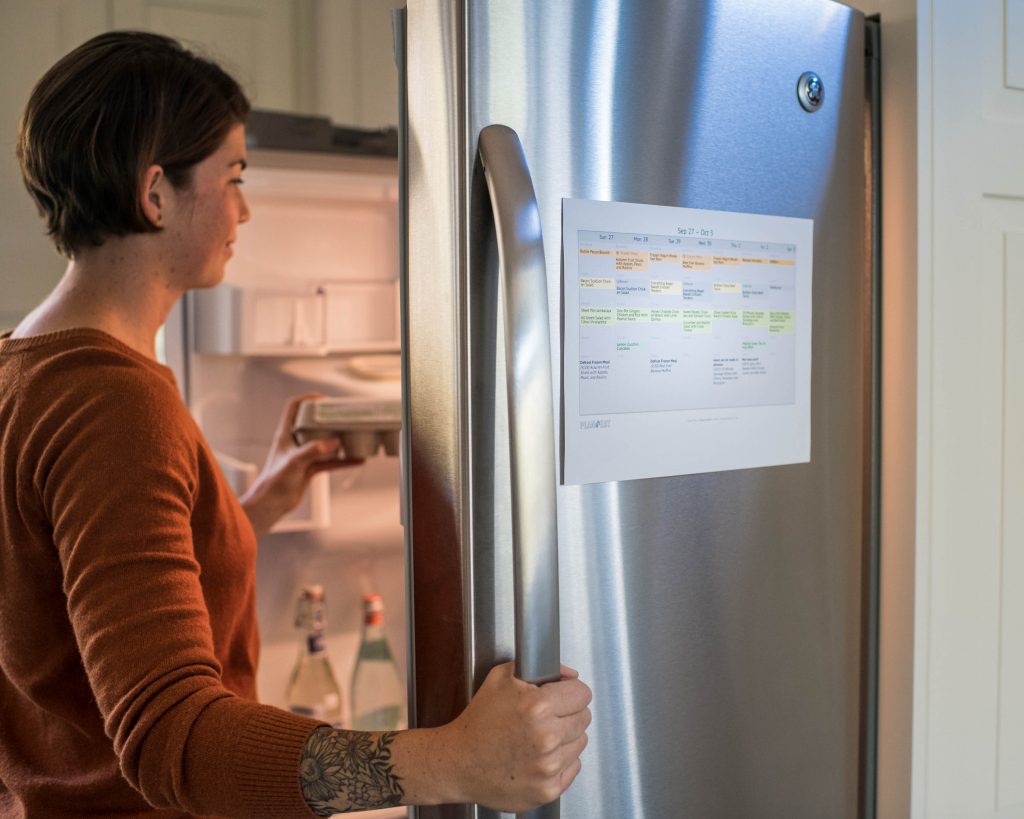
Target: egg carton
[364, 426]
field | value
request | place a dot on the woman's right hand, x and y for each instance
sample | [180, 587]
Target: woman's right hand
[518, 745]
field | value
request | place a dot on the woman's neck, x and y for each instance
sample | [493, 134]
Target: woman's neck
[115, 288]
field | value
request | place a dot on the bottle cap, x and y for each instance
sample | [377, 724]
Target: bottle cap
[311, 612]
[373, 609]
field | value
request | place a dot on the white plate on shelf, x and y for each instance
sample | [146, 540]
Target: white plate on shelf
[369, 375]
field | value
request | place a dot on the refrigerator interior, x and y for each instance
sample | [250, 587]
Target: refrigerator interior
[309, 304]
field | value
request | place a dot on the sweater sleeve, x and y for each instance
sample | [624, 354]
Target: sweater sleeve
[117, 475]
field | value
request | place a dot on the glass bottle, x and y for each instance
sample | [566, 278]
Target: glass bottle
[312, 689]
[378, 693]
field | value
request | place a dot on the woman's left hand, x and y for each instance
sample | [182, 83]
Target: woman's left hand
[288, 469]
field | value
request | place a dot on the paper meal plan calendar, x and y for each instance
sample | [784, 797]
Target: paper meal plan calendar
[686, 341]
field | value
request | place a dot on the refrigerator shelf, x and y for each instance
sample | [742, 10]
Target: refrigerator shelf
[311, 319]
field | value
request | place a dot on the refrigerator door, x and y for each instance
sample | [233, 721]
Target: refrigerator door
[717, 617]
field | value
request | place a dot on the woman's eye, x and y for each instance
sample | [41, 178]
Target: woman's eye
[238, 181]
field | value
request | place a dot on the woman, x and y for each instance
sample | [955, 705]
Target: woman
[127, 629]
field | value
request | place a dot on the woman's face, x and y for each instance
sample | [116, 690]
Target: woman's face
[205, 215]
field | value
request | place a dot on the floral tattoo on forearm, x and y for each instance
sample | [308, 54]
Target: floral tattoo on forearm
[344, 771]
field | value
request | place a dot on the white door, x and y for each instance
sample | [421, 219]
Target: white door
[969, 670]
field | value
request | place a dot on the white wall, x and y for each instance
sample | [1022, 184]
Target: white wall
[32, 36]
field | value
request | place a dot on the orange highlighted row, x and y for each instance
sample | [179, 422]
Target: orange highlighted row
[639, 260]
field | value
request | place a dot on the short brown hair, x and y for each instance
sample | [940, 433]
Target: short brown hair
[105, 112]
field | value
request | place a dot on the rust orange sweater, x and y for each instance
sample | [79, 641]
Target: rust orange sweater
[128, 638]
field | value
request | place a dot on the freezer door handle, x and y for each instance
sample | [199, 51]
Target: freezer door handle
[530, 405]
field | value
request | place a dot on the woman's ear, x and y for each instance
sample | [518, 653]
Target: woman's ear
[153, 195]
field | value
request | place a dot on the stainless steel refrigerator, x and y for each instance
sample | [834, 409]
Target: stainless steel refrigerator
[723, 618]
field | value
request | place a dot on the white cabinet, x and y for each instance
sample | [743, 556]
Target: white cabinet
[257, 41]
[356, 76]
[330, 57]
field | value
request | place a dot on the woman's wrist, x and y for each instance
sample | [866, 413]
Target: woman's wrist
[255, 505]
[431, 770]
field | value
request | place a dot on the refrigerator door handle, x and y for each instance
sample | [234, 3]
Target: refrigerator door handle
[530, 405]
[523, 274]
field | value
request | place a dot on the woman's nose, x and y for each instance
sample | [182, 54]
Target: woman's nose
[243, 210]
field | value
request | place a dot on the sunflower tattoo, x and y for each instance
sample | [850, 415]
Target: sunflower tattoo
[343, 771]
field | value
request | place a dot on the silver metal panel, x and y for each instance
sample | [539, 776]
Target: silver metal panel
[717, 617]
[436, 526]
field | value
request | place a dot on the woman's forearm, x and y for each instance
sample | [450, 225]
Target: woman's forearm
[349, 770]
